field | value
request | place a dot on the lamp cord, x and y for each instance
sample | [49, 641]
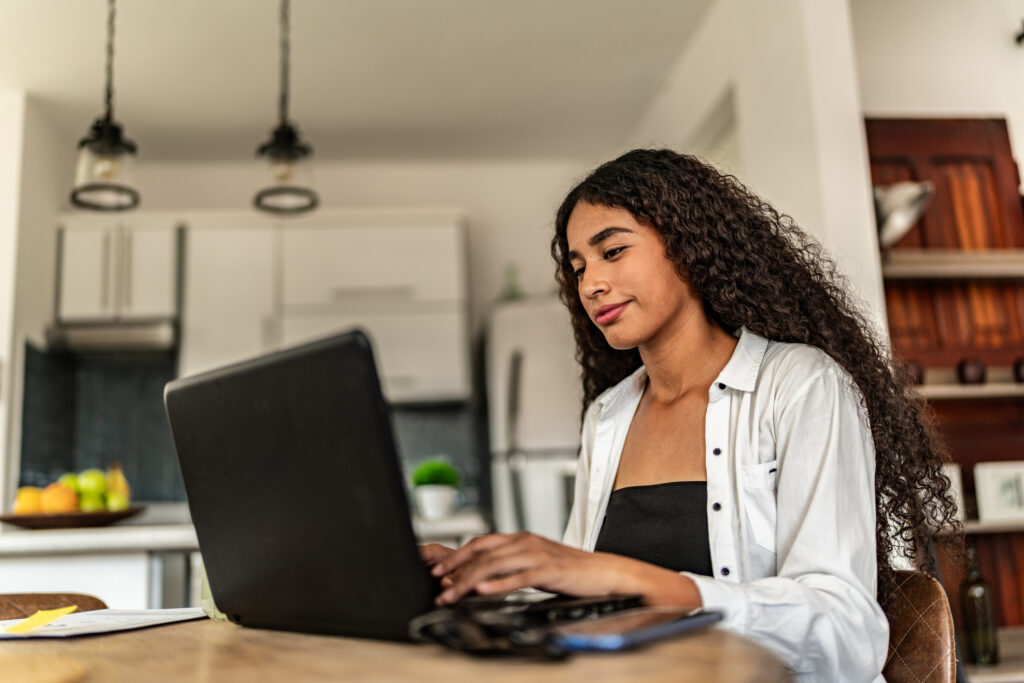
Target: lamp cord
[285, 50]
[110, 60]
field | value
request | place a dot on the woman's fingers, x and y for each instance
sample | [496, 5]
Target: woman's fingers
[498, 564]
[432, 553]
[475, 547]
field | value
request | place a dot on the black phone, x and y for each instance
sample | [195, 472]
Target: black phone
[631, 628]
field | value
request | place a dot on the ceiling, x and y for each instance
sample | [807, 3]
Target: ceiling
[371, 79]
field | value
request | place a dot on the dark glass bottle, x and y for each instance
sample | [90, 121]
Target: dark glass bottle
[979, 615]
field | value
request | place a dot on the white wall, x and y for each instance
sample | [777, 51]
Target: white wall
[47, 160]
[12, 122]
[510, 205]
[941, 58]
[781, 76]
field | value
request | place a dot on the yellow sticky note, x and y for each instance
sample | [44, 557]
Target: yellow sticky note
[40, 618]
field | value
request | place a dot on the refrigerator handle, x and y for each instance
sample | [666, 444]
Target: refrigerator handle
[514, 459]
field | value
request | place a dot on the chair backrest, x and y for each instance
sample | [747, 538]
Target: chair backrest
[921, 646]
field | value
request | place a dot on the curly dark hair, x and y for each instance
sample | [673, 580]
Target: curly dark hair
[753, 267]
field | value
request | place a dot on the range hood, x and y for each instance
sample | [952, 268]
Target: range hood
[112, 336]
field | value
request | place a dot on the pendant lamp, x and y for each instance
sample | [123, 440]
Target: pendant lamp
[289, 190]
[103, 172]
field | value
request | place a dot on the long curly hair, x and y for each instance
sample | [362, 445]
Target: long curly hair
[753, 267]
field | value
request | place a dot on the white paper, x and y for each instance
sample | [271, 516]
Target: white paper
[103, 621]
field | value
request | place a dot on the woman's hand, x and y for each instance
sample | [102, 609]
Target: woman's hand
[498, 563]
[432, 553]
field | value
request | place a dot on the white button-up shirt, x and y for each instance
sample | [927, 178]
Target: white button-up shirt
[791, 463]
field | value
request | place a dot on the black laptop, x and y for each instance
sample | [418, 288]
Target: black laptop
[296, 492]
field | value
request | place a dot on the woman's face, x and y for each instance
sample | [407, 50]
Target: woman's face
[626, 282]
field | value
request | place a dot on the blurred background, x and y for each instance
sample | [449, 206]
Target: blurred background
[440, 138]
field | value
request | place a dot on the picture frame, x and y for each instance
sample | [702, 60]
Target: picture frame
[1000, 490]
[956, 487]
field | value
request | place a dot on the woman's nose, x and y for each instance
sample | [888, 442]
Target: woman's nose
[593, 283]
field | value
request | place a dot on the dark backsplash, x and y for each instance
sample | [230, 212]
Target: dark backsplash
[82, 412]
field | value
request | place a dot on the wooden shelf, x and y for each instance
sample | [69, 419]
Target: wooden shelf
[932, 264]
[959, 391]
[1010, 668]
[973, 526]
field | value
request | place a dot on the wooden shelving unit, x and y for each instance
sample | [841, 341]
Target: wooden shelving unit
[967, 391]
[939, 264]
[975, 526]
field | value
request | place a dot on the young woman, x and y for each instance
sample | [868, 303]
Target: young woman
[747, 443]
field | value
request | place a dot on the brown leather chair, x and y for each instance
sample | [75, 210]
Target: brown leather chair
[921, 648]
[20, 605]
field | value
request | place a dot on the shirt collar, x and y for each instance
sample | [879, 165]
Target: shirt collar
[744, 365]
[739, 373]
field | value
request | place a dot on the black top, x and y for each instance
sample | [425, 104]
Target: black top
[664, 524]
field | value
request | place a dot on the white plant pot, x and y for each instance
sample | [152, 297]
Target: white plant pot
[434, 502]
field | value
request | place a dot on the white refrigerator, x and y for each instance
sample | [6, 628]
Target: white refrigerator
[534, 399]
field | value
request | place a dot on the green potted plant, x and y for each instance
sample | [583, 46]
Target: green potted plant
[434, 483]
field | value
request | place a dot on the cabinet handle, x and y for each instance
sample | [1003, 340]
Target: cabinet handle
[127, 285]
[389, 291]
[105, 279]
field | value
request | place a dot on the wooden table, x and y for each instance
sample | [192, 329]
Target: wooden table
[206, 651]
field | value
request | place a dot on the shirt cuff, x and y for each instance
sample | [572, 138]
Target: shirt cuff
[729, 598]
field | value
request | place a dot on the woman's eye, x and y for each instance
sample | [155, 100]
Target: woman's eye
[578, 273]
[612, 253]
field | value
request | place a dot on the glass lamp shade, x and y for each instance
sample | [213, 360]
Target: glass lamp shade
[289, 189]
[103, 173]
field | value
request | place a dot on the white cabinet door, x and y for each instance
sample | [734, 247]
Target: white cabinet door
[86, 276]
[332, 265]
[149, 272]
[229, 296]
[420, 355]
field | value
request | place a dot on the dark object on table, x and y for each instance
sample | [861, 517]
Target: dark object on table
[915, 373]
[971, 371]
[520, 627]
[979, 615]
[21, 605]
[1018, 369]
[71, 520]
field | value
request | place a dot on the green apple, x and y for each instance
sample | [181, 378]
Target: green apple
[92, 482]
[91, 503]
[69, 479]
[117, 502]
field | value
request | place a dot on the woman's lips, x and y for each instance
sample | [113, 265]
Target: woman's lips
[609, 314]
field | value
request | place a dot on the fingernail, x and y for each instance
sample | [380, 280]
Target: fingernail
[436, 571]
[444, 598]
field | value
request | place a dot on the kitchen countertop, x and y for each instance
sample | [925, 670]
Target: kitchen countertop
[167, 528]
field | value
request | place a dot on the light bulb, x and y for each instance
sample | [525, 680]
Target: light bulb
[282, 171]
[106, 168]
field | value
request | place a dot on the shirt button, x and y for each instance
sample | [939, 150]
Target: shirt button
[725, 571]
[717, 451]
[721, 385]
[716, 507]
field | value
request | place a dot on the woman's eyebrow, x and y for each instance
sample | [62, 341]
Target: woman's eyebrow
[599, 237]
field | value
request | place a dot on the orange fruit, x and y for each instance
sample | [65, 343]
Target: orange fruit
[28, 501]
[58, 497]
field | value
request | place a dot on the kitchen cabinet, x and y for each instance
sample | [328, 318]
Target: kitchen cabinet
[324, 266]
[404, 284]
[228, 307]
[113, 271]
[253, 285]
[419, 353]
